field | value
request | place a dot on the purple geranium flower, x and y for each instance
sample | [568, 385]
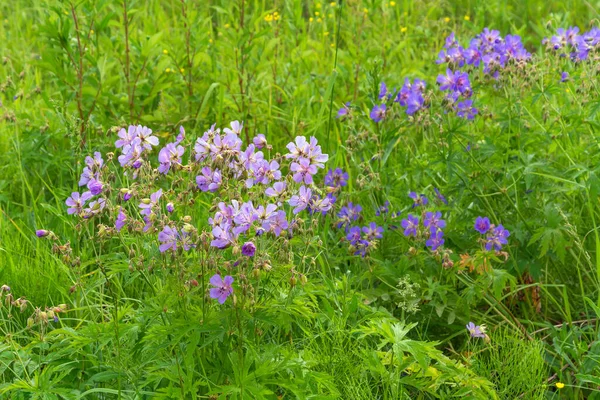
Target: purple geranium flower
[378, 113]
[336, 178]
[222, 287]
[354, 235]
[209, 181]
[148, 204]
[436, 239]
[121, 220]
[482, 225]
[300, 201]
[348, 214]
[260, 141]
[168, 155]
[372, 231]
[434, 220]
[248, 249]
[303, 171]
[410, 225]
[496, 238]
[466, 110]
[344, 112]
[419, 200]
[77, 201]
[476, 331]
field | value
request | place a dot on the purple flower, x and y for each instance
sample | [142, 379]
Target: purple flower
[434, 220]
[318, 204]
[482, 225]
[303, 171]
[126, 137]
[354, 235]
[564, 77]
[300, 149]
[419, 200]
[260, 141]
[147, 140]
[170, 207]
[121, 220]
[466, 110]
[414, 103]
[181, 136]
[222, 235]
[41, 233]
[222, 287]
[348, 214]
[278, 223]
[262, 216]
[209, 181]
[378, 113]
[248, 249]
[436, 239]
[168, 155]
[77, 201]
[300, 201]
[277, 190]
[383, 91]
[95, 186]
[94, 208]
[496, 238]
[410, 225]
[148, 204]
[244, 218]
[336, 178]
[372, 231]
[344, 111]
[476, 331]
[168, 238]
[384, 209]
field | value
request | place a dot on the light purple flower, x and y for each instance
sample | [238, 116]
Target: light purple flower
[278, 223]
[168, 155]
[372, 231]
[410, 225]
[277, 190]
[378, 113]
[209, 181]
[344, 112]
[336, 178]
[148, 204]
[300, 201]
[77, 201]
[260, 141]
[168, 238]
[41, 233]
[434, 220]
[222, 287]
[303, 171]
[476, 331]
[121, 220]
[95, 186]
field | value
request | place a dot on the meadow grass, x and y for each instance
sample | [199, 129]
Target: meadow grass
[389, 326]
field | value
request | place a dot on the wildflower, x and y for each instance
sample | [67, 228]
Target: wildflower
[278, 223]
[259, 141]
[384, 209]
[419, 200]
[414, 102]
[378, 113]
[467, 18]
[354, 235]
[372, 231]
[410, 225]
[95, 186]
[564, 77]
[277, 190]
[170, 238]
[336, 178]
[222, 289]
[168, 155]
[77, 201]
[482, 225]
[318, 204]
[94, 208]
[496, 238]
[344, 112]
[181, 137]
[248, 249]
[121, 220]
[303, 171]
[466, 109]
[42, 233]
[244, 218]
[434, 221]
[300, 201]
[209, 181]
[348, 214]
[170, 207]
[559, 385]
[476, 331]
[222, 236]
[148, 204]
[436, 239]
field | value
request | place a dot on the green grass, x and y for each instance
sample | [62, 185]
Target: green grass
[73, 71]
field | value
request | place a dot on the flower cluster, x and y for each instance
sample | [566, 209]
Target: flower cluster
[488, 49]
[433, 225]
[577, 46]
[410, 96]
[495, 236]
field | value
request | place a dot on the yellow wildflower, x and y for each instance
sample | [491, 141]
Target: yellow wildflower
[560, 385]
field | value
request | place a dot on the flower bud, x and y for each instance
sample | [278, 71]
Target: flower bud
[187, 219]
[293, 281]
[42, 233]
[170, 207]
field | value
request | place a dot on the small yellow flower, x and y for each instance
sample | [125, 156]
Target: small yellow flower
[467, 18]
[560, 385]
[392, 3]
[268, 17]
[227, 26]
[318, 5]
[165, 51]
[182, 70]
[447, 19]
[311, 19]
[168, 70]
[332, 44]
[333, 4]
[403, 29]
[317, 13]
[567, 90]
[210, 40]
[325, 33]
[366, 11]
